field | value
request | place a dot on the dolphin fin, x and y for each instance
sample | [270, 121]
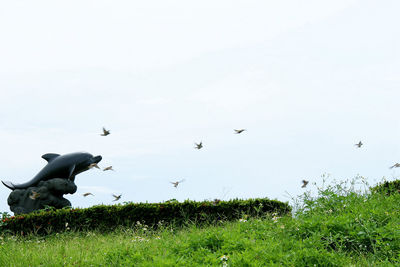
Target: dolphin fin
[50, 156]
[71, 171]
[9, 185]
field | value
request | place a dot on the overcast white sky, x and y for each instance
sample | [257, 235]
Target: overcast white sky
[307, 79]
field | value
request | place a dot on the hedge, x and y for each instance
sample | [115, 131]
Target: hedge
[106, 217]
[387, 188]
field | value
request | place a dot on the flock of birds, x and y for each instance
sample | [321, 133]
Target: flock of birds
[109, 168]
[359, 144]
[197, 146]
[396, 165]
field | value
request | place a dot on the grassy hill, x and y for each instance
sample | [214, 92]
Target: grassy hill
[340, 226]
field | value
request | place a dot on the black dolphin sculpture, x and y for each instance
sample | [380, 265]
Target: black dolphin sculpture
[59, 166]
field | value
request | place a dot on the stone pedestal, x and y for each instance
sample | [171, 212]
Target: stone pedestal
[45, 193]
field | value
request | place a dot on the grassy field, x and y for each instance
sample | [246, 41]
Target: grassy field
[340, 226]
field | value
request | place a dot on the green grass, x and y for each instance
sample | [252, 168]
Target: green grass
[340, 226]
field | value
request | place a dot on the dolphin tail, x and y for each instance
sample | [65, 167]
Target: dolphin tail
[9, 185]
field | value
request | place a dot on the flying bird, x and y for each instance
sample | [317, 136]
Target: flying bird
[109, 168]
[216, 201]
[199, 145]
[116, 197]
[105, 132]
[94, 165]
[239, 131]
[87, 194]
[34, 195]
[359, 144]
[305, 183]
[177, 183]
[396, 165]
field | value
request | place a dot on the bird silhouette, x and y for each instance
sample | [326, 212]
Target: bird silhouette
[177, 183]
[34, 195]
[305, 183]
[216, 201]
[87, 194]
[239, 131]
[109, 168]
[94, 165]
[396, 165]
[359, 144]
[105, 132]
[116, 197]
[199, 145]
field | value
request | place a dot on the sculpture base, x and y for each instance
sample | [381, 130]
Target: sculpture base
[46, 193]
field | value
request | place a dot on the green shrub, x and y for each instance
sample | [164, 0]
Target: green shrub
[106, 218]
[343, 220]
[387, 188]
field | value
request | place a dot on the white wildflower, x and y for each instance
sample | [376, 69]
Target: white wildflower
[139, 239]
[224, 258]
[275, 219]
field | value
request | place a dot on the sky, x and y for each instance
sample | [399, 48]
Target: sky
[306, 79]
